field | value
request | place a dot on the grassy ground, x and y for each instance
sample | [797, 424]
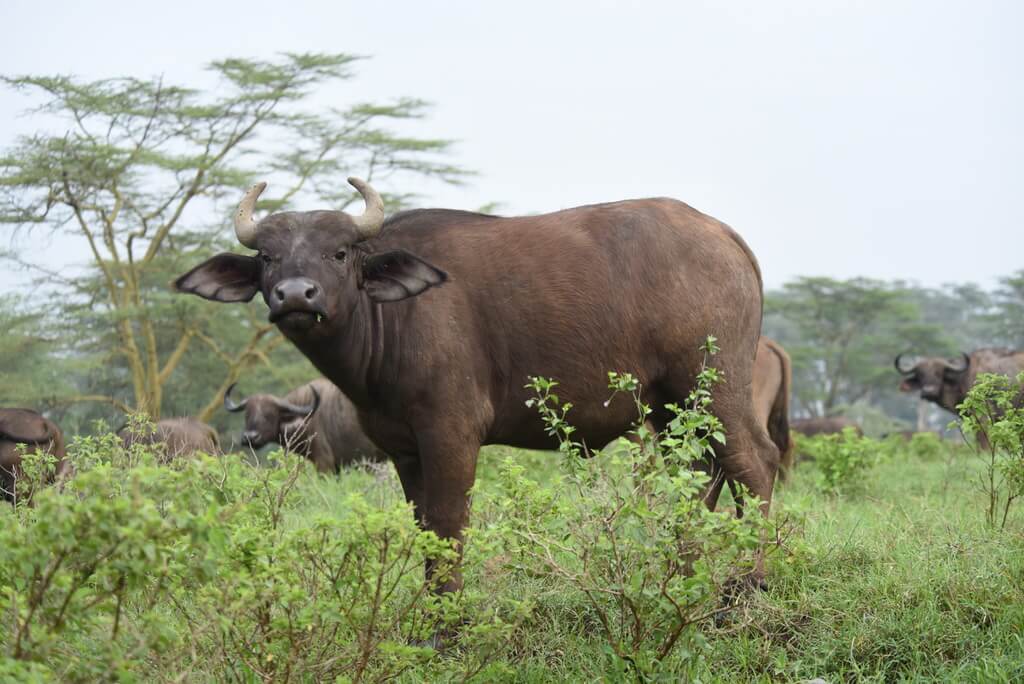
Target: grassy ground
[899, 580]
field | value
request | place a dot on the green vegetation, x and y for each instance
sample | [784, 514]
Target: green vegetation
[992, 411]
[218, 570]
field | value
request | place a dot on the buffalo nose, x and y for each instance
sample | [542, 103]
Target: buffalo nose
[296, 295]
[250, 436]
[296, 289]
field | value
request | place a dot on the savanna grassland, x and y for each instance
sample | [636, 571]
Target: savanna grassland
[215, 570]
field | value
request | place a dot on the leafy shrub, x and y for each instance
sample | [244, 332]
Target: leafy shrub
[841, 459]
[629, 531]
[927, 446]
[992, 413]
[204, 567]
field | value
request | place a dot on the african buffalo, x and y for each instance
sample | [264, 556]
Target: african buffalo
[38, 434]
[826, 425]
[175, 437]
[315, 420]
[431, 323]
[773, 374]
[946, 382]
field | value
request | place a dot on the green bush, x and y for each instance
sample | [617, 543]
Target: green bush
[202, 567]
[841, 459]
[992, 413]
[629, 531]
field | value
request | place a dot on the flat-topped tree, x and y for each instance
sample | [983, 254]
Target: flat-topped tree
[135, 169]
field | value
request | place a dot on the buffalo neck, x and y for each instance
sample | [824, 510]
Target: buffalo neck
[351, 355]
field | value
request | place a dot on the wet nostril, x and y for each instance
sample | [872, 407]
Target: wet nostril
[279, 293]
[310, 292]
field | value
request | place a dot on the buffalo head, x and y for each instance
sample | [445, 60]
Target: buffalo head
[312, 268]
[937, 379]
[270, 419]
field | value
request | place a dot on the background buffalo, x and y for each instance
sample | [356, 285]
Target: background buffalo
[315, 420]
[945, 382]
[174, 437]
[825, 425]
[38, 435]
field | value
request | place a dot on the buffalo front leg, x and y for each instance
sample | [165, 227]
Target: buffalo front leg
[448, 470]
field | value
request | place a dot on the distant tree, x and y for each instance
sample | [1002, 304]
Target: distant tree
[1007, 317]
[842, 336]
[27, 346]
[146, 174]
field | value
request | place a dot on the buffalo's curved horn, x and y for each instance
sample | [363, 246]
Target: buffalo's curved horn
[230, 404]
[905, 366]
[298, 410]
[245, 224]
[961, 363]
[372, 218]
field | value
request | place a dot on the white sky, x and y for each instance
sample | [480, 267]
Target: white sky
[883, 139]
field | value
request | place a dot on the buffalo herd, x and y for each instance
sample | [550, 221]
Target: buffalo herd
[427, 325]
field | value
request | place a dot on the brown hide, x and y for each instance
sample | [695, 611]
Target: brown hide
[824, 426]
[331, 438]
[176, 437]
[38, 434]
[773, 375]
[433, 328]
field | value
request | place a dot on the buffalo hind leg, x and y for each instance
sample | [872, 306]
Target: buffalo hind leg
[750, 458]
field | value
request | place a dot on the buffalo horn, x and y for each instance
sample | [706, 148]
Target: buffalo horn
[961, 364]
[230, 404]
[245, 224]
[305, 411]
[372, 218]
[905, 366]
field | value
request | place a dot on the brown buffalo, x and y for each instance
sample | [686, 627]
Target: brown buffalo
[315, 420]
[432, 322]
[773, 375]
[38, 435]
[946, 382]
[826, 425]
[175, 437]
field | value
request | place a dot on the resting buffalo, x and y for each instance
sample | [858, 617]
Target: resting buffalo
[946, 382]
[175, 437]
[773, 374]
[38, 434]
[315, 420]
[432, 322]
[825, 426]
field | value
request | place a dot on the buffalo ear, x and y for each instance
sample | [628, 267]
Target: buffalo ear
[396, 275]
[224, 278]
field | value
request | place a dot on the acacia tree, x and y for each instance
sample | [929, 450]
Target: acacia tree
[145, 174]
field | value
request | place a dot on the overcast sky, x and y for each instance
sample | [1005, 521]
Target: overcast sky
[883, 139]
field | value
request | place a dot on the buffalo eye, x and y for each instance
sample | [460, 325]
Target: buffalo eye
[266, 258]
[339, 255]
